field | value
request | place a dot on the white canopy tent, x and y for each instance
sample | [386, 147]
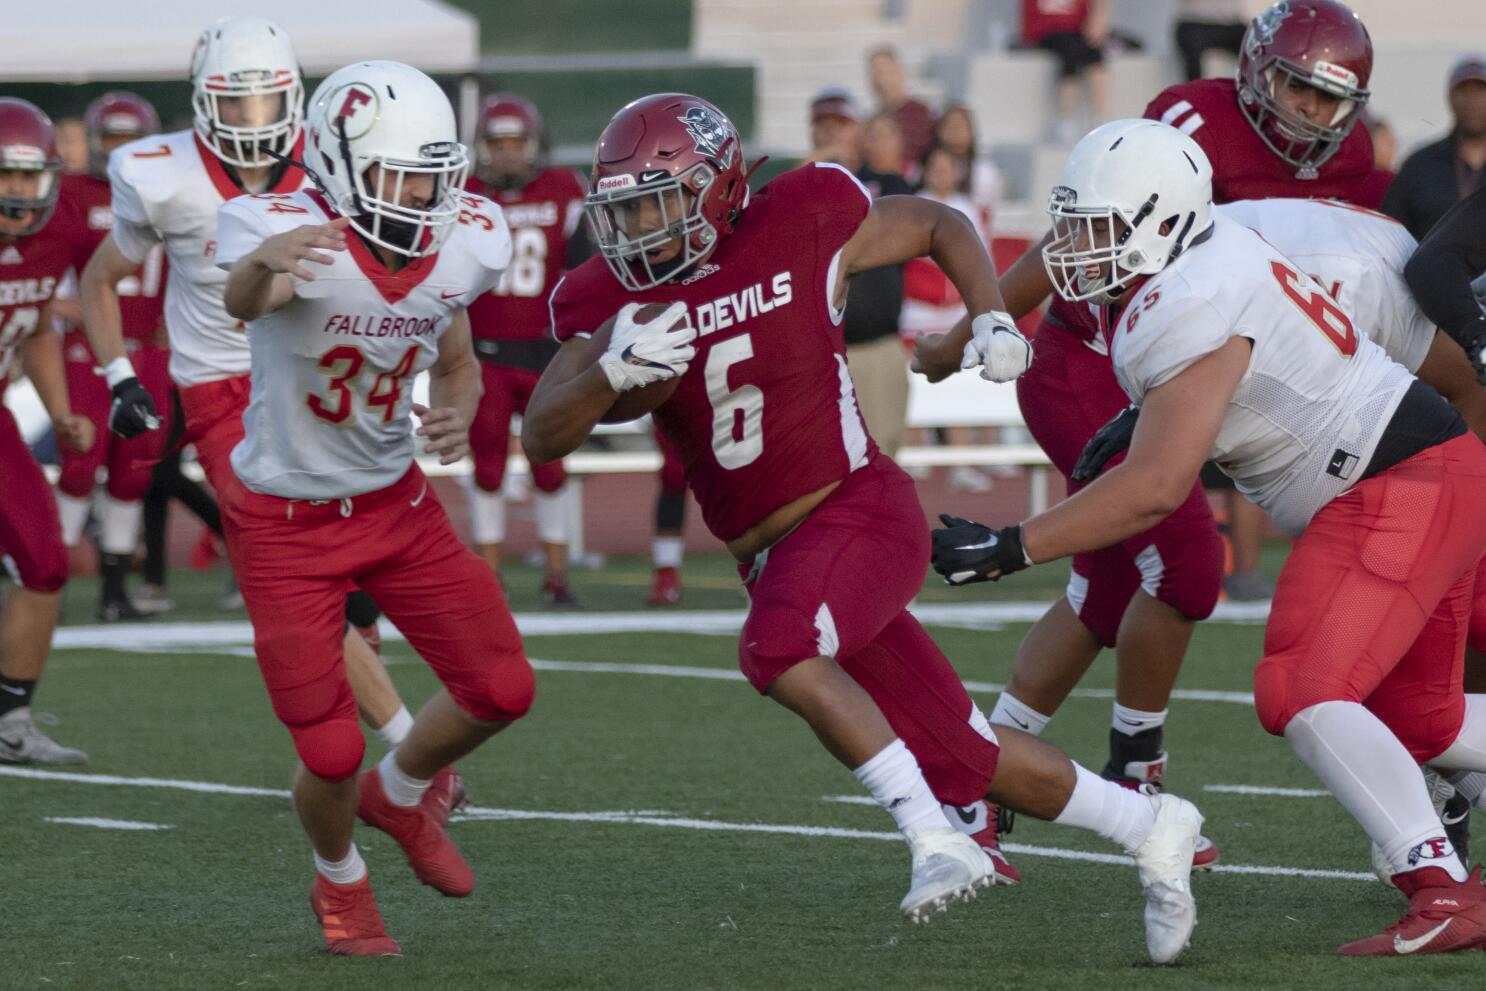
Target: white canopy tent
[80, 40]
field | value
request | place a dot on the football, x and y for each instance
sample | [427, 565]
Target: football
[635, 403]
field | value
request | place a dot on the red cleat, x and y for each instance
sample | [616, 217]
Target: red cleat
[555, 591]
[982, 822]
[446, 794]
[420, 832]
[1444, 916]
[666, 589]
[349, 918]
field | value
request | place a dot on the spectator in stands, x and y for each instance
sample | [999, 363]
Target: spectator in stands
[890, 86]
[979, 180]
[72, 144]
[874, 300]
[1384, 142]
[931, 305]
[1205, 26]
[1437, 176]
[1075, 31]
[882, 148]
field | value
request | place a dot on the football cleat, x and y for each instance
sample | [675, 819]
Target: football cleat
[1138, 761]
[446, 794]
[1444, 916]
[948, 867]
[1165, 864]
[420, 832]
[349, 919]
[555, 591]
[984, 823]
[22, 743]
[665, 590]
[120, 610]
[153, 599]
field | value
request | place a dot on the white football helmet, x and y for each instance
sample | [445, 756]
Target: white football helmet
[394, 117]
[1133, 195]
[248, 60]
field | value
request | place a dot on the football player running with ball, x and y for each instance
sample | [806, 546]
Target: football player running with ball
[1235, 354]
[745, 370]
[349, 290]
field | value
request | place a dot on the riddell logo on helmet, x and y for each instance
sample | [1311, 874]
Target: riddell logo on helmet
[610, 183]
[1331, 72]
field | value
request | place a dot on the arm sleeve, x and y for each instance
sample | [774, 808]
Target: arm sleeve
[1442, 269]
[495, 252]
[570, 317]
[240, 229]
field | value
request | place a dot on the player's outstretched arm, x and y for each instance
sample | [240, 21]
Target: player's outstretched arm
[41, 358]
[99, 296]
[454, 390]
[1179, 420]
[260, 281]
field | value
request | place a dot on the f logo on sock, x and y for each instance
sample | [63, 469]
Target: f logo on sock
[1435, 849]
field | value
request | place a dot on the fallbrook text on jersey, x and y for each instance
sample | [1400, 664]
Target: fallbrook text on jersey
[345, 324]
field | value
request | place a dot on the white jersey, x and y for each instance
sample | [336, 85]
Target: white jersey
[166, 189]
[333, 368]
[1316, 397]
[1358, 257]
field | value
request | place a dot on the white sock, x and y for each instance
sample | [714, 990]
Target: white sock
[401, 788]
[894, 779]
[347, 871]
[395, 730]
[118, 525]
[487, 514]
[1372, 775]
[1131, 721]
[666, 552]
[1121, 815]
[74, 513]
[1012, 711]
[552, 515]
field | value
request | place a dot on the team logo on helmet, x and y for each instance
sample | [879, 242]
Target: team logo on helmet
[354, 107]
[711, 133]
[1267, 23]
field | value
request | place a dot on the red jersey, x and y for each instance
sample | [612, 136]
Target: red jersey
[30, 270]
[1041, 18]
[141, 293]
[542, 216]
[1207, 111]
[766, 413]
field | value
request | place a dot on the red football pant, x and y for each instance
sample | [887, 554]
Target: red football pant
[1070, 392]
[30, 530]
[214, 424]
[1375, 600]
[838, 586]
[129, 462]
[507, 391]
[296, 561]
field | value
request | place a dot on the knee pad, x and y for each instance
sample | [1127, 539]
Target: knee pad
[1186, 576]
[1100, 587]
[672, 475]
[490, 473]
[504, 695]
[549, 477]
[78, 476]
[46, 572]
[331, 750]
[361, 610]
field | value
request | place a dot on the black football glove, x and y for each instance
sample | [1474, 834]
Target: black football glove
[966, 552]
[1108, 441]
[133, 410]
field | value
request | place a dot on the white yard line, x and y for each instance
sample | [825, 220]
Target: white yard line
[127, 824]
[662, 820]
[1261, 790]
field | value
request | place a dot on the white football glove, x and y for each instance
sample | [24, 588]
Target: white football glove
[642, 354]
[997, 347]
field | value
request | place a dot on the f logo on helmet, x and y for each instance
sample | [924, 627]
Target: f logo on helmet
[358, 109]
[711, 133]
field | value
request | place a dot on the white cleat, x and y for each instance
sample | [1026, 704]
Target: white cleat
[22, 743]
[948, 866]
[1165, 863]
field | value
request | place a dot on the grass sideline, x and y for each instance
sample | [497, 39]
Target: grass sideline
[219, 899]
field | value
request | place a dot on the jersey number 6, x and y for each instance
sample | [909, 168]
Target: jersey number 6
[1318, 307]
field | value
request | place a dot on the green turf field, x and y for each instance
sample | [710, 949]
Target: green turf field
[615, 833]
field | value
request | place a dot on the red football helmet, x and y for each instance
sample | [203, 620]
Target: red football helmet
[118, 113]
[683, 153]
[1318, 43]
[508, 115]
[28, 143]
